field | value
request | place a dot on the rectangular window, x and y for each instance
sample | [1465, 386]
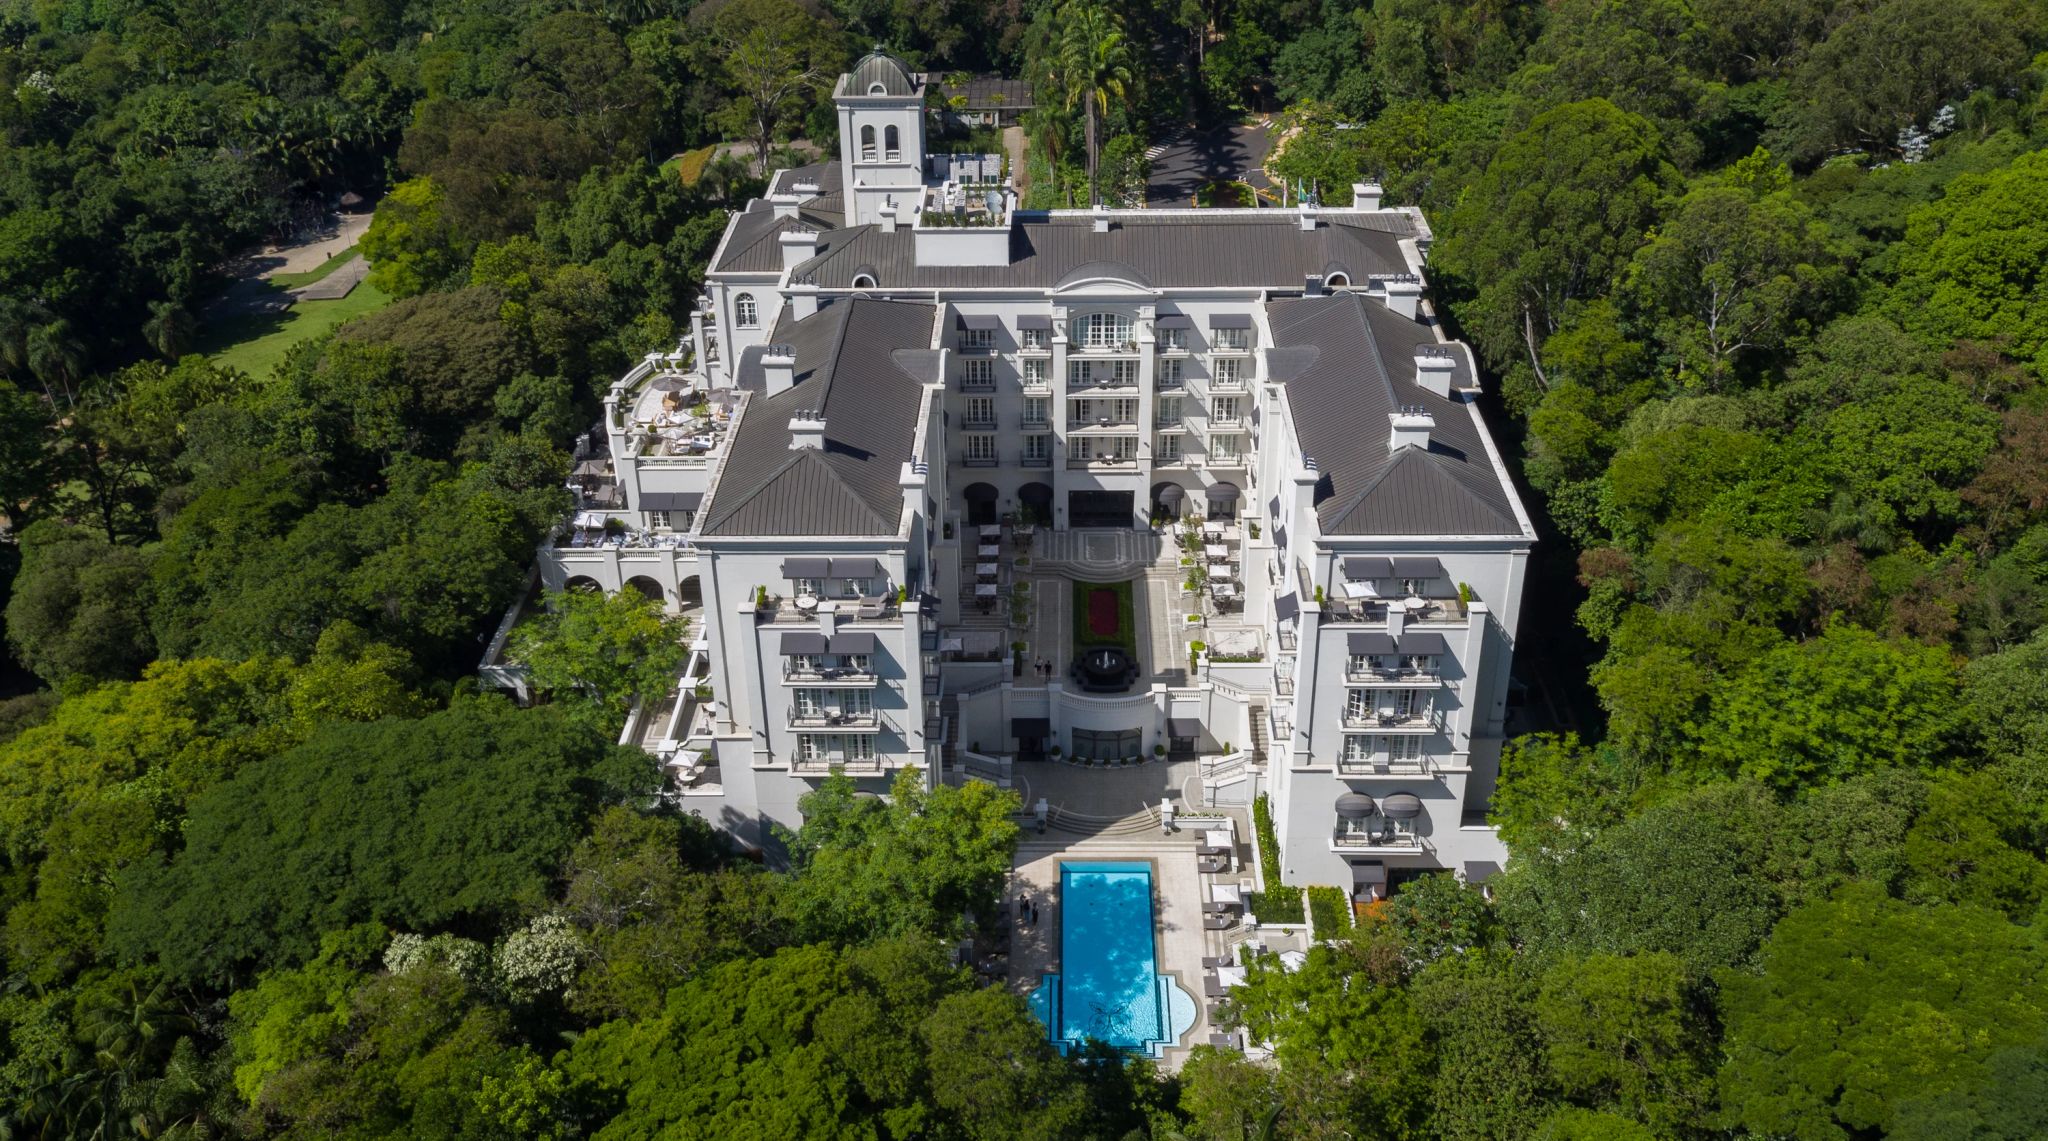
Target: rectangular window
[1080, 448]
[1105, 330]
[1419, 663]
[1357, 749]
[1123, 447]
[1169, 449]
[811, 586]
[981, 410]
[860, 748]
[856, 702]
[1173, 340]
[1032, 338]
[1401, 750]
[1168, 415]
[803, 663]
[1123, 372]
[981, 449]
[658, 520]
[1077, 374]
[1223, 410]
[1227, 373]
[857, 663]
[813, 748]
[1226, 448]
[1037, 372]
[978, 372]
[855, 587]
[810, 703]
[1359, 704]
[1171, 374]
[1123, 411]
[1037, 447]
[1036, 409]
[1232, 339]
[976, 340]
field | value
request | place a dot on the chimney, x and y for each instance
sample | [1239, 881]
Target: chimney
[1309, 213]
[803, 300]
[1411, 428]
[784, 205]
[1101, 218]
[1433, 365]
[888, 213]
[1366, 195]
[1404, 293]
[807, 430]
[778, 369]
[1313, 286]
[806, 188]
[798, 247]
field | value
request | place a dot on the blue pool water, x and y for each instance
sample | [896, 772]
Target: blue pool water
[1109, 986]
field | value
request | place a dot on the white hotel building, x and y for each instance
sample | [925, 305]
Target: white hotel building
[890, 357]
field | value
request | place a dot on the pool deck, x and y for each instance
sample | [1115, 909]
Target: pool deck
[1178, 887]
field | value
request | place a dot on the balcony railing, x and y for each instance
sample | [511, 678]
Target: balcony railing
[1113, 348]
[1169, 424]
[1413, 675]
[1385, 840]
[826, 720]
[1083, 423]
[977, 384]
[978, 423]
[979, 461]
[1384, 766]
[872, 608]
[1035, 461]
[1102, 462]
[843, 674]
[820, 766]
[1420, 721]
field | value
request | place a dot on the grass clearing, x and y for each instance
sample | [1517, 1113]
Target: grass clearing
[301, 280]
[689, 166]
[256, 342]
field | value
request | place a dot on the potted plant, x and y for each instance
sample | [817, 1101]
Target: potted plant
[1254, 525]
[1158, 750]
[614, 526]
[761, 599]
[1054, 752]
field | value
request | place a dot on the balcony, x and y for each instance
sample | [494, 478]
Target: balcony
[823, 766]
[1388, 840]
[973, 423]
[1100, 423]
[1385, 766]
[979, 461]
[1098, 380]
[867, 722]
[1039, 425]
[1394, 675]
[1102, 463]
[1374, 610]
[843, 676]
[1169, 424]
[969, 383]
[870, 608]
[1035, 461]
[1172, 383]
[1105, 349]
[1385, 721]
[1036, 385]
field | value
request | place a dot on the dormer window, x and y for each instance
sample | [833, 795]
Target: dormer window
[877, 89]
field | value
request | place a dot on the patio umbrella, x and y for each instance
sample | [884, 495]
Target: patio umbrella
[670, 382]
[1401, 806]
[593, 467]
[1354, 806]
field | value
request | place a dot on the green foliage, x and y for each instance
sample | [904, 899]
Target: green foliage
[409, 244]
[1626, 1033]
[608, 650]
[78, 609]
[1435, 915]
[916, 863]
[1856, 992]
[1970, 265]
[1329, 912]
[461, 815]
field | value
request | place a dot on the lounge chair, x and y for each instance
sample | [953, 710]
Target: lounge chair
[1212, 987]
[873, 607]
[1218, 922]
[1212, 850]
[1218, 907]
[1212, 865]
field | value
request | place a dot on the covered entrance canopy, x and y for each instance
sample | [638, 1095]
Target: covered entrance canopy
[1223, 501]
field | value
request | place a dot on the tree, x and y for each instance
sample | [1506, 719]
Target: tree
[79, 606]
[1864, 1002]
[915, 863]
[610, 650]
[1436, 915]
[1094, 66]
[1490, 1080]
[1819, 711]
[465, 814]
[1555, 793]
[1971, 263]
[409, 244]
[993, 1070]
[2005, 700]
[1625, 1032]
[772, 52]
[1553, 220]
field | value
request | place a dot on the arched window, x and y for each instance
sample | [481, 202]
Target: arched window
[867, 144]
[863, 281]
[745, 311]
[891, 146]
[1105, 330]
[1338, 281]
[877, 89]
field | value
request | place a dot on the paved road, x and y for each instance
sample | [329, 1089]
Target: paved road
[1197, 158]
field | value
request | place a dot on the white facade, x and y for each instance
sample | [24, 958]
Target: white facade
[1079, 364]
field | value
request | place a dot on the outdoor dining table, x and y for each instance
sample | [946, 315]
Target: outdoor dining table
[991, 531]
[989, 550]
[986, 570]
[1228, 893]
[1217, 552]
[1219, 838]
[985, 590]
[1220, 571]
[1215, 529]
[1222, 590]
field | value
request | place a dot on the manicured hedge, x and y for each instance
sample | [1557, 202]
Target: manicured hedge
[1329, 912]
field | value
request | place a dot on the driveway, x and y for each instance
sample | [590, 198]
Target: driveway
[1197, 158]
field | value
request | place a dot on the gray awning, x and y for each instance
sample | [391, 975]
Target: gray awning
[1361, 645]
[855, 568]
[1286, 606]
[1401, 806]
[1023, 727]
[1222, 493]
[1175, 321]
[806, 568]
[1230, 320]
[1358, 568]
[853, 642]
[1183, 727]
[1171, 493]
[670, 500]
[803, 642]
[1354, 806]
[1418, 567]
[1413, 642]
[1034, 321]
[980, 321]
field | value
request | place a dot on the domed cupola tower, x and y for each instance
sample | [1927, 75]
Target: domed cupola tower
[881, 137]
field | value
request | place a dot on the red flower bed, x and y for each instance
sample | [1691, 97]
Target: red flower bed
[1102, 613]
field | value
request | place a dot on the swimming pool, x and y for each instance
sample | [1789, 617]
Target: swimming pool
[1108, 986]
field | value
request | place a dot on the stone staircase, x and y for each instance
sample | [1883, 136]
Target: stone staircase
[1096, 555]
[1258, 750]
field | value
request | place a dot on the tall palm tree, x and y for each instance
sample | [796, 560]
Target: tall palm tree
[1095, 64]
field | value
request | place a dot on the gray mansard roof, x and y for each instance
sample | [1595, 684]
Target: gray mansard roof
[1348, 362]
[858, 361]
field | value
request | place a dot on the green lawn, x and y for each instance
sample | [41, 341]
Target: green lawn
[1126, 621]
[256, 342]
[301, 280]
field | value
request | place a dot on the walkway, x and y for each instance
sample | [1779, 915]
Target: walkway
[1190, 161]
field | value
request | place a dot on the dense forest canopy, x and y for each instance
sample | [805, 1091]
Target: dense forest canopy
[1760, 289]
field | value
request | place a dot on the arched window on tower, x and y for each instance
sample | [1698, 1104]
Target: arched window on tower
[891, 147]
[867, 144]
[745, 312]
